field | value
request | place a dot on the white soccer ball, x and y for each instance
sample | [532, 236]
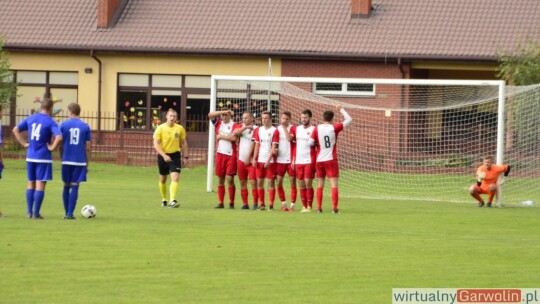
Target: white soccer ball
[88, 211]
[527, 203]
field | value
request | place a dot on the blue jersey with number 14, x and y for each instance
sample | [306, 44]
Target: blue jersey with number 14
[41, 127]
[75, 133]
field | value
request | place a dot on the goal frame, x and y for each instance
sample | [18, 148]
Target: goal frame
[501, 84]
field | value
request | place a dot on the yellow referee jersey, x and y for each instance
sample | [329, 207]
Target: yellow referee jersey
[170, 137]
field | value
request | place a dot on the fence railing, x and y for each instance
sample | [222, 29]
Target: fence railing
[113, 142]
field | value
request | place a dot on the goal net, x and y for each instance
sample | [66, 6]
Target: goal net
[410, 139]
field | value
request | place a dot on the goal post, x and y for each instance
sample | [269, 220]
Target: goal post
[411, 139]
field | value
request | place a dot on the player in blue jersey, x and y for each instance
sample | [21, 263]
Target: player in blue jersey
[75, 152]
[41, 128]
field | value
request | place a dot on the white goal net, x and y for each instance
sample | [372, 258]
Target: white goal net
[410, 139]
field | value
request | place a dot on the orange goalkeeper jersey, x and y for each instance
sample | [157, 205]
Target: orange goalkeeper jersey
[491, 175]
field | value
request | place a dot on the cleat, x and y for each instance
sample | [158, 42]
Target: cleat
[255, 206]
[231, 206]
[284, 209]
[39, 217]
[69, 217]
[174, 204]
[335, 211]
[245, 207]
[309, 208]
[164, 203]
[219, 206]
[291, 209]
[305, 210]
[261, 208]
[319, 211]
[29, 215]
[271, 208]
[489, 205]
[481, 204]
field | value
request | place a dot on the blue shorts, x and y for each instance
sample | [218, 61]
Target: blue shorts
[40, 172]
[73, 174]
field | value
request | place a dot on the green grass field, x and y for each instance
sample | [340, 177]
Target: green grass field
[135, 251]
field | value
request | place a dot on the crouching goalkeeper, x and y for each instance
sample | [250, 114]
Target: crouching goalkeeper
[486, 180]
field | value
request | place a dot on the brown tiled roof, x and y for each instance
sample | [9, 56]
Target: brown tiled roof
[454, 29]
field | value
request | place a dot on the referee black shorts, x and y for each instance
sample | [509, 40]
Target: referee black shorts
[175, 165]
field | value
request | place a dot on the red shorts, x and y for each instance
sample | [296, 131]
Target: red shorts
[246, 171]
[328, 169]
[268, 173]
[225, 165]
[281, 169]
[305, 171]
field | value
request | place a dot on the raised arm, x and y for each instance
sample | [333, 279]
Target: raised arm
[348, 118]
[212, 115]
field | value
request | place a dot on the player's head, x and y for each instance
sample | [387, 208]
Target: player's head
[266, 118]
[488, 161]
[226, 117]
[285, 117]
[305, 117]
[171, 116]
[74, 109]
[247, 118]
[328, 115]
[47, 105]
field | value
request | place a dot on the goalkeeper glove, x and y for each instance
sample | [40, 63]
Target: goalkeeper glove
[507, 171]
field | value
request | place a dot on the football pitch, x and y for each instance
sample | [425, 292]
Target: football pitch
[136, 251]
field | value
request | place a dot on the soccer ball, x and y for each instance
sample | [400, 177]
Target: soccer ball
[88, 211]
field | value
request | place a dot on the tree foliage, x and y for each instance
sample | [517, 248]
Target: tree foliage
[8, 88]
[522, 66]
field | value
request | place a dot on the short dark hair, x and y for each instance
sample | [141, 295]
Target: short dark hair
[307, 112]
[47, 104]
[328, 115]
[287, 113]
[74, 108]
[488, 157]
[248, 112]
[267, 113]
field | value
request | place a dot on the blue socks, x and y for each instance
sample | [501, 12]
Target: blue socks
[38, 200]
[73, 196]
[29, 201]
[65, 199]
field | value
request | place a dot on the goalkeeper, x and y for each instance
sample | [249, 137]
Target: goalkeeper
[486, 180]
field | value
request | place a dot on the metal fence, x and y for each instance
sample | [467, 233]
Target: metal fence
[114, 141]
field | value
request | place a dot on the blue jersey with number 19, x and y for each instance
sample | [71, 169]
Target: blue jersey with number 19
[41, 127]
[75, 133]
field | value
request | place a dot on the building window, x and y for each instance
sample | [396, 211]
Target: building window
[144, 100]
[61, 87]
[344, 89]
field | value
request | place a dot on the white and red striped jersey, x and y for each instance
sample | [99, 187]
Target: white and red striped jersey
[285, 147]
[325, 136]
[224, 146]
[266, 138]
[304, 152]
[244, 144]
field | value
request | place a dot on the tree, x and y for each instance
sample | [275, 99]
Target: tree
[522, 67]
[8, 88]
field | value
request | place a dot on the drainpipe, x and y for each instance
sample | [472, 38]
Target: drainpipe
[99, 96]
[401, 103]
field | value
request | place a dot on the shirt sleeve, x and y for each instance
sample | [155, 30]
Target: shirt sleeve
[88, 133]
[275, 137]
[255, 137]
[293, 133]
[157, 133]
[338, 127]
[22, 126]
[55, 129]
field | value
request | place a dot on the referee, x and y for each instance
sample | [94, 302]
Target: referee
[169, 139]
